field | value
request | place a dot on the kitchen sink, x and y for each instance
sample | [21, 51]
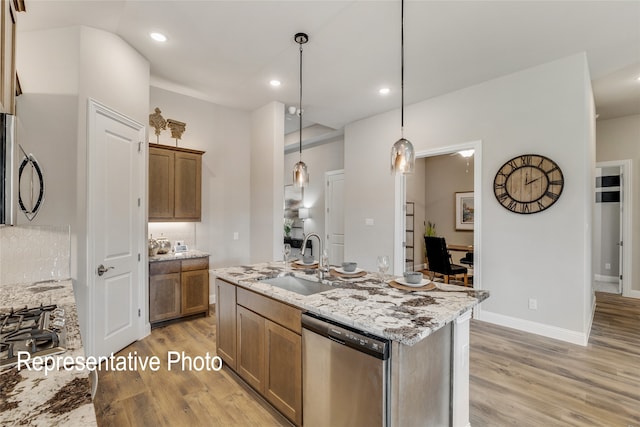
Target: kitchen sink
[298, 285]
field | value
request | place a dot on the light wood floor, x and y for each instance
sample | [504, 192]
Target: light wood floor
[517, 379]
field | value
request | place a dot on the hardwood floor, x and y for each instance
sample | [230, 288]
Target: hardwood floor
[176, 397]
[516, 379]
[527, 380]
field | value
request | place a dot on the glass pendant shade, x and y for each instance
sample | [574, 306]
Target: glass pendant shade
[300, 175]
[402, 156]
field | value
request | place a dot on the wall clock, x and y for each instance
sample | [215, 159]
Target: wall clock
[528, 184]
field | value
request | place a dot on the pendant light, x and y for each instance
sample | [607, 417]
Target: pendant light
[300, 174]
[402, 153]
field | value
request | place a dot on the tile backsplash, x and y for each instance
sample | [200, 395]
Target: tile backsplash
[34, 253]
[182, 231]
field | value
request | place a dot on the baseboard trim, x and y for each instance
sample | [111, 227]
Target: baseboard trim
[631, 294]
[607, 279]
[535, 328]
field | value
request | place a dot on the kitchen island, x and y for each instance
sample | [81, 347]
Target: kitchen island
[61, 397]
[429, 333]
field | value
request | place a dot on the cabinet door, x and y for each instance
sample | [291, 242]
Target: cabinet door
[164, 297]
[251, 362]
[226, 322]
[195, 292]
[161, 187]
[188, 181]
[283, 376]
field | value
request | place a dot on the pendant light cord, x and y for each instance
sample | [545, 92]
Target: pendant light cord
[402, 69]
[300, 104]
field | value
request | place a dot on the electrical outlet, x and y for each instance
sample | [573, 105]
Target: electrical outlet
[368, 221]
[607, 266]
[236, 235]
[533, 304]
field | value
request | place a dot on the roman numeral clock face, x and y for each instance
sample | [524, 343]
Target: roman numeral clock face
[528, 184]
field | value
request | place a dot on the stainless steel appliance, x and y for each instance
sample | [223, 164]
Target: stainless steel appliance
[40, 331]
[345, 375]
[8, 175]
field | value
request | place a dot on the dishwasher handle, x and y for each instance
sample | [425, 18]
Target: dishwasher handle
[347, 336]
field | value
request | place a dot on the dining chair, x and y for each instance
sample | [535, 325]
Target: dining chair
[439, 260]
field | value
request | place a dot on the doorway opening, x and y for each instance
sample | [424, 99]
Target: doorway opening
[434, 197]
[612, 230]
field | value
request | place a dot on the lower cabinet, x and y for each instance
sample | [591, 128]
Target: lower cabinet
[268, 347]
[226, 322]
[178, 288]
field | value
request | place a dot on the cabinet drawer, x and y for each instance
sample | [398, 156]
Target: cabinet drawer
[195, 264]
[280, 313]
[164, 267]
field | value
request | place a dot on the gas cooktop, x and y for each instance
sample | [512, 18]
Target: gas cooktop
[39, 331]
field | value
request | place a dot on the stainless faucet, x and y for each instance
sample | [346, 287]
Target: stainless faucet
[320, 264]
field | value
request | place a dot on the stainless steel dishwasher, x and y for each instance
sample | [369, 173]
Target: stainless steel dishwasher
[345, 375]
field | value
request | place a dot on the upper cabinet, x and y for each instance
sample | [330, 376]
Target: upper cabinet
[175, 181]
[8, 57]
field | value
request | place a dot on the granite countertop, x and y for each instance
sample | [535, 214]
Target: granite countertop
[61, 397]
[365, 303]
[172, 256]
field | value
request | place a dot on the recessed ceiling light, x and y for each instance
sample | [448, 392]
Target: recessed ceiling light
[159, 37]
[638, 78]
[384, 91]
[275, 83]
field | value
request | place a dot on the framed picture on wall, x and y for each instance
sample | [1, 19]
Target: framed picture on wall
[464, 211]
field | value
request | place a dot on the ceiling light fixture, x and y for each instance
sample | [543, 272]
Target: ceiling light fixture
[159, 37]
[275, 83]
[384, 91]
[402, 153]
[300, 174]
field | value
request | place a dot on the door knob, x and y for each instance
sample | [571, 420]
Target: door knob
[102, 269]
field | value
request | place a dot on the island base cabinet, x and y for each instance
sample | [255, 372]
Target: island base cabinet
[283, 350]
[262, 345]
[226, 329]
[251, 358]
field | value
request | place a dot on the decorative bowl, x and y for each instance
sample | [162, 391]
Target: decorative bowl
[349, 266]
[164, 245]
[412, 277]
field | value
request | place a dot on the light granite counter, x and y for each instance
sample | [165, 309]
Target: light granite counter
[366, 303]
[61, 397]
[173, 256]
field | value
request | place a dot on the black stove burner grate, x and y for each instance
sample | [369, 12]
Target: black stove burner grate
[36, 330]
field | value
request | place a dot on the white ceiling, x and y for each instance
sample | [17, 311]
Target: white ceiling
[227, 51]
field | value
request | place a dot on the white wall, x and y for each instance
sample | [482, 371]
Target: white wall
[319, 159]
[267, 198]
[619, 139]
[223, 133]
[546, 109]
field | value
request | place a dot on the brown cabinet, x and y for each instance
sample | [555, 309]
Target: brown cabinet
[7, 56]
[178, 289]
[268, 350]
[175, 182]
[226, 329]
[251, 357]
[164, 291]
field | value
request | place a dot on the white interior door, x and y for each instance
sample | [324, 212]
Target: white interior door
[116, 222]
[334, 218]
[609, 227]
